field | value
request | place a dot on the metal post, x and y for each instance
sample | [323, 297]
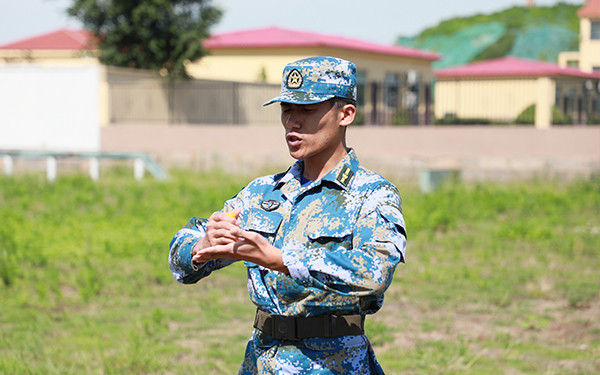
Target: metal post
[94, 169]
[138, 169]
[51, 168]
[8, 165]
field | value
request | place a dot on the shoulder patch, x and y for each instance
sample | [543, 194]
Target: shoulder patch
[345, 175]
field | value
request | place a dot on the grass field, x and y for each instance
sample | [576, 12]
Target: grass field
[499, 279]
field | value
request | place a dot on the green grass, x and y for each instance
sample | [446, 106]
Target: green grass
[500, 278]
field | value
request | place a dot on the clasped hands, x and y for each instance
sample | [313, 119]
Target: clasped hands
[225, 239]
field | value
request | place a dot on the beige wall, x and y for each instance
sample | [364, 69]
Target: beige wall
[495, 99]
[564, 58]
[48, 57]
[588, 55]
[248, 65]
[243, 65]
[589, 50]
[503, 99]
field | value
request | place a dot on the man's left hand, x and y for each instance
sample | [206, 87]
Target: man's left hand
[250, 246]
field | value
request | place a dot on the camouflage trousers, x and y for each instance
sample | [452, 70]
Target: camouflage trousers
[339, 355]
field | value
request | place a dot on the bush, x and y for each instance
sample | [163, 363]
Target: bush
[401, 117]
[359, 118]
[455, 120]
[527, 117]
[594, 119]
[560, 118]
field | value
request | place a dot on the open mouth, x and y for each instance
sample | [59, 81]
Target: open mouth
[293, 140]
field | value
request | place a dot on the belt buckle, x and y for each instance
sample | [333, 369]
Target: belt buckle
[283, 327]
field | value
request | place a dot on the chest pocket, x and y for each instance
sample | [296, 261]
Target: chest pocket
[333, 230]
[264, 222]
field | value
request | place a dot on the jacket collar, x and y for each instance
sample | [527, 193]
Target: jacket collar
[341, 175]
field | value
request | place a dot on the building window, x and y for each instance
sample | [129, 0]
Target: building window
[596, 69]
[573, 63]
[392, 90]
[595, 34]
[410, 96]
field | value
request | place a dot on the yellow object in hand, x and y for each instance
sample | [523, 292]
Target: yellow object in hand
[232, 214]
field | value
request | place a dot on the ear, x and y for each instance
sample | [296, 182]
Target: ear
[346, 114]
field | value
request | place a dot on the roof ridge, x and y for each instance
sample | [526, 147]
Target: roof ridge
[512, 66]
[275, 36]
[61, 39]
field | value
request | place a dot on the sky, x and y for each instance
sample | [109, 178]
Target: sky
[379, 21]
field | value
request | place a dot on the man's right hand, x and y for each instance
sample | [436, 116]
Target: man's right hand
[218, 230]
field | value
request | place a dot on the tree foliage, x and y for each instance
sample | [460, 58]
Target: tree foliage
[160, 35]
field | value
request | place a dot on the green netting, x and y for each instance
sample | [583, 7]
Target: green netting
[460, 47]
[544, 42]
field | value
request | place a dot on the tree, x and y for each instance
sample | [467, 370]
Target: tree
[160, 35]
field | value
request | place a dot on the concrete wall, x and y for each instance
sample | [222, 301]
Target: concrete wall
[401, 152]
[50, 108]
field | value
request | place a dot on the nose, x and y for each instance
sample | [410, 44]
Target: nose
[290, 121]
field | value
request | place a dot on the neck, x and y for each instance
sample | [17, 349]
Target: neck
[317, 169]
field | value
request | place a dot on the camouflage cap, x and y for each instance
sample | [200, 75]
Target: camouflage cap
[317, 79]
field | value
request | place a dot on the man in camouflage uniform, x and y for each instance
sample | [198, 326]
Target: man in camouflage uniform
[320, 241]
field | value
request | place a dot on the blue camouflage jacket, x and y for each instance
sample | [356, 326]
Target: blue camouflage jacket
[341, 238]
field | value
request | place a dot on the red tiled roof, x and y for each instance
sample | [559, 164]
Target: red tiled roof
[590, 10]
[275, 37]
[272, 37]
[512, 66]
[63, 39]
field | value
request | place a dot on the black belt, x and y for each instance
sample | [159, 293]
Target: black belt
[282, 327]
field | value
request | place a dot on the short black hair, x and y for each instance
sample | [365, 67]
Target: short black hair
[340, 102]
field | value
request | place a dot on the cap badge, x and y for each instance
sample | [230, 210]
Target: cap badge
[294, 80]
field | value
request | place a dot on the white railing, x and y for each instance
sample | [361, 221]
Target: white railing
[141, 162]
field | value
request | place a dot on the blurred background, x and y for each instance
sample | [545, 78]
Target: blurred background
[120, 120]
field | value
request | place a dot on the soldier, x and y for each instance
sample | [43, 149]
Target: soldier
[320, 241]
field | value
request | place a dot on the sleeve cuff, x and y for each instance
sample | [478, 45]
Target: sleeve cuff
[298, 271]
[185, 254]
